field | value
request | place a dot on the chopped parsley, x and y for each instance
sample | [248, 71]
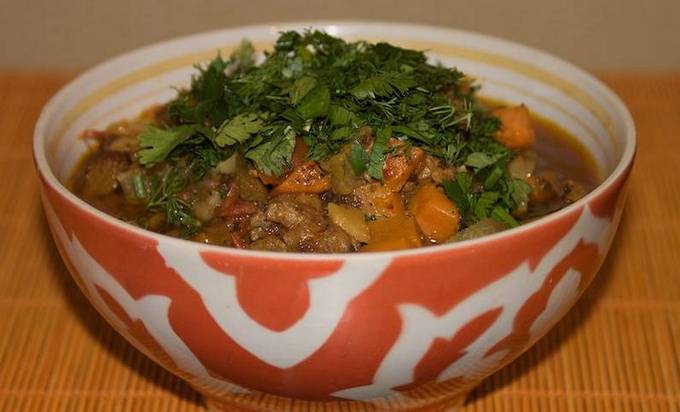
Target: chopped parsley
[327, 91]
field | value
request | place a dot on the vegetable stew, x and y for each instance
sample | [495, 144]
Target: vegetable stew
[329, 146]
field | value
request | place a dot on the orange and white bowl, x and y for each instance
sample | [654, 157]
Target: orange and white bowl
[266, 331]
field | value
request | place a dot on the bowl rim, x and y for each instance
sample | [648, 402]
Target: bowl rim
[49, 178]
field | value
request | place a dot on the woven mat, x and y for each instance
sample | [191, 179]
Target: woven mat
[617, 350]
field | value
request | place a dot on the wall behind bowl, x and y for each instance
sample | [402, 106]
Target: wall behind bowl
[596, 34]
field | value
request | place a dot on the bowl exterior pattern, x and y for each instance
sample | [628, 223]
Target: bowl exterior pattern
[378, 330]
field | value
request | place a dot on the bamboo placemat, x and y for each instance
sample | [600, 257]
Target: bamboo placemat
[617, 350]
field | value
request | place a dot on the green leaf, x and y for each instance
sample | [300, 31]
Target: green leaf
[338, 115]
[479, 160]
[243, 56]
[158, 143]
[301, 88]
[493, 178]
[273, 156]
[377, 157]
[342, 133]
[412, 133]
[503, 216]
[458, 190]
[484, 204]
[519, 191]
[238, 129]
[315, 103]
[358, 158]
[382, 85]
[139, 186]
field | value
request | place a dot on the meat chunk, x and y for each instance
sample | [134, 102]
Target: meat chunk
[271, 243]
[302, 221]
[101, 171]
[260, 227]
[289, 212]
[331, 240]
[433, 168]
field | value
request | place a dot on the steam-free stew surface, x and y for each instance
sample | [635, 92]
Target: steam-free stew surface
[293, 155]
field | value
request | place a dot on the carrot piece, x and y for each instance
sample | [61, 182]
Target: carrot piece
[436, 215]
[299, 152]
[392, 233]
[516, 131]
[398, 169]
[305, 178]
[377, 199]
[388, 244]
[269, 179]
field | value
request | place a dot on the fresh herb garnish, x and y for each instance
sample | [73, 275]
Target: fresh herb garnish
[327, 91]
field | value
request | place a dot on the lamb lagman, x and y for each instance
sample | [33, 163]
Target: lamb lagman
[330, 146]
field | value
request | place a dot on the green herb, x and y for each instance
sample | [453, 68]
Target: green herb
[238, 129]
[164, 198]
[377, 157]
[315, 103]
[158, 143]
[329, 92]
[273, 156]
[358, 159]
[519, 191]
[502, 215]
[479, 160]
[458, 190]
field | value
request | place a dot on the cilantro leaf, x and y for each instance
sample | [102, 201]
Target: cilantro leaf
[301, 88]
[503, 216]
[358, 158]
[238, 129]
[377, 157]
[519, 191]
[382, 85]
[484, 203]
[315, 103]
[158, 143]
[458, 190]
[479, 160]
[338, 115]
[273, 156]
[243, 56]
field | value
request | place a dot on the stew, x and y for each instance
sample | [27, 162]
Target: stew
[330, 146]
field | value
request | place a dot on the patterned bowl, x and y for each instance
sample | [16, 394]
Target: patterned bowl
[265, 331]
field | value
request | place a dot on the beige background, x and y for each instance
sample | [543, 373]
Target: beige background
[596, 34]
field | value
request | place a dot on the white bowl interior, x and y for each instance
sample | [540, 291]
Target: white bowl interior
[552, 88]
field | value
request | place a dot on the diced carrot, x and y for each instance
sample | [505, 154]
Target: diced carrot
[305, 178]
[387, 203]
[269, 179]
[299, 152]
[516, 131]
[436, 215]
[385, 245]
[398, 169]
[378, 200]
[392, 233]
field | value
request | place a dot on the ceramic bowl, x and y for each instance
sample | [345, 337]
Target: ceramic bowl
[407, 330]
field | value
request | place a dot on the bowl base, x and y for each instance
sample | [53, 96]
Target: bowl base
[271, 404]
